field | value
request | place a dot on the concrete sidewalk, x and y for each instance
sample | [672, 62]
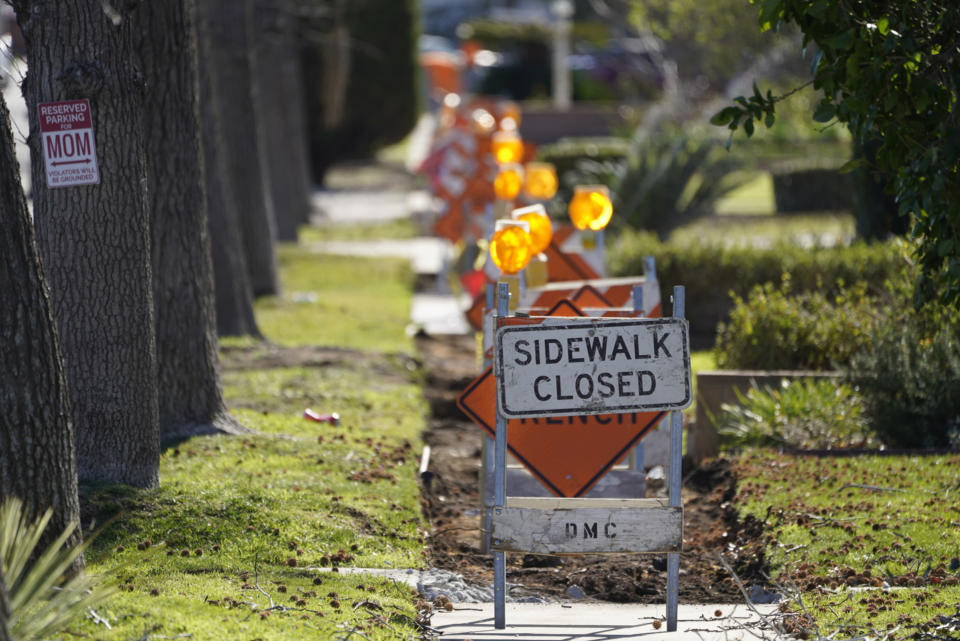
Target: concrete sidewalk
[605, 622]
[436, 311]
[428, 256]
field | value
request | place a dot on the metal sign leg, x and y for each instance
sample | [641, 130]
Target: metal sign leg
[486, 474]
[500, 487]
[499, 500]
[673, 580]
[486, 492]
[676, 483]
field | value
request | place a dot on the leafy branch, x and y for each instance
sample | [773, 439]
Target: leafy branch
[758, 107]
[888, 71]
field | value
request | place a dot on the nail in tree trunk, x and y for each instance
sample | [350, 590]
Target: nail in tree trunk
[95, 239]
[229, 28]
[188, 381]
[37, 461]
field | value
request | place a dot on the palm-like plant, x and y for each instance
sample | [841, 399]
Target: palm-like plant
[4, 609]
[44, 594]
[667, 180]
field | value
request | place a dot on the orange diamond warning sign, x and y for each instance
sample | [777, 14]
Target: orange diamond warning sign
[569, 454]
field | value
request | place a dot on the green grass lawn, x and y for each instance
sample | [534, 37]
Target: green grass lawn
[401, 228]
[821, 229]
[755, 196]
[337, 300]
[227, 547]
[870, 544]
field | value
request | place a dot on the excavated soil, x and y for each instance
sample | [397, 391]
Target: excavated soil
[452, 503]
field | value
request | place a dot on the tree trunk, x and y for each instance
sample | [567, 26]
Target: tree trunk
[229, 28]
[232, 289]
[37, 461]
[95, 239]
[295, 119]
[876, 210]
[277, 69]
[188, 381]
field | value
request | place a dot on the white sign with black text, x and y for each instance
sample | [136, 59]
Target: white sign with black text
[592, 366]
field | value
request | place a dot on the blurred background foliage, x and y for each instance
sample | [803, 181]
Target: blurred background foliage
[711, 41]
[788, 261]
[359, 60]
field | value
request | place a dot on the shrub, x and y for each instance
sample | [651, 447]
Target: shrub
[909, 375]
[567, 153]
[712, 272]
[904, 362]
[804, 414]
[773, 329]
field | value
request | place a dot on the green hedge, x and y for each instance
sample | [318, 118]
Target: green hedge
[566, 153]
[775, 329]
[711, 273]
[813, 190]
[499, 35]
[903, 363]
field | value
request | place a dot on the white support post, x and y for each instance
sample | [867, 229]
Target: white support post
[675, 481]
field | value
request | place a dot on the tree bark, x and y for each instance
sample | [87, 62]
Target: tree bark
[37, 461]
[188, 381]
[94, 239]
[232, 289]
[276, 66]
[229, 29]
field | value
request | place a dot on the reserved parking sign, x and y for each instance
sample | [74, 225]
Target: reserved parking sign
[69, 151]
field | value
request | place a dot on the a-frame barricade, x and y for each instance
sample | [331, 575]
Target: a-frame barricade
[601, 452]
[609, 382]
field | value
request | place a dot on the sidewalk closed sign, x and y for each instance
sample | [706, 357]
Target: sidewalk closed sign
[593, 367]
[69, 152]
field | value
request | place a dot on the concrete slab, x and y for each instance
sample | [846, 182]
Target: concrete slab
[602, 622]
[410, 577]
[438, 314]
[367, 206]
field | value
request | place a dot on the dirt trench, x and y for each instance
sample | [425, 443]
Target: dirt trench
[452, 504]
